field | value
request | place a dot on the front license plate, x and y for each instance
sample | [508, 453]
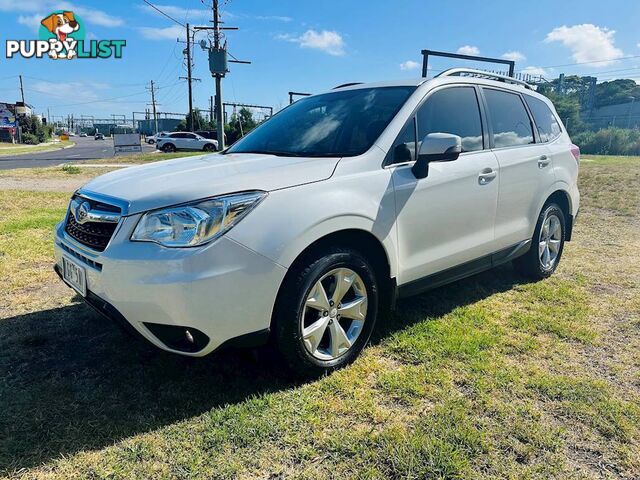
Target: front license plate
[74, 275]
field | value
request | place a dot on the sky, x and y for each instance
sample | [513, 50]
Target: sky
[307, 46]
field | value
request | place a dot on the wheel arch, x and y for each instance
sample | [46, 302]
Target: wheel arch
[563, 199]
[364, 242]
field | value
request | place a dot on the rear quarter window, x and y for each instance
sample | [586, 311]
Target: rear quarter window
[510, 121]
[546, 122]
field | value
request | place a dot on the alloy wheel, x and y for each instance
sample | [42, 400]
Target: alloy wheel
[549, 241]
[334, 313]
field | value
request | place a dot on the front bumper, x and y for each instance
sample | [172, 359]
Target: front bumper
[222, 290]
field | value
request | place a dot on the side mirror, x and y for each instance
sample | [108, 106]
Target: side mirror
[436, 147]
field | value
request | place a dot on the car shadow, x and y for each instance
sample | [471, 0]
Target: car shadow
[71, 380]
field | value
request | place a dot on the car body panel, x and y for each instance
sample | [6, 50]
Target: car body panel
[182, 180]
[197, 287]
[227, 288]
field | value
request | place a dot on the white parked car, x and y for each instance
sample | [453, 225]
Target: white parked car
[154, 138]
[309, 227]
[185, 141]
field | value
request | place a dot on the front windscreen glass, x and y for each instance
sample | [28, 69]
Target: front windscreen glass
[336, 124]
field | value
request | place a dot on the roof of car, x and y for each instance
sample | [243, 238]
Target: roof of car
[447, 79]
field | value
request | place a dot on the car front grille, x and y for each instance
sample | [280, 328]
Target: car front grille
[93, 231]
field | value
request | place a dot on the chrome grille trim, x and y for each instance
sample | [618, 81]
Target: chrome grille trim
[92, 220]
[82, 258]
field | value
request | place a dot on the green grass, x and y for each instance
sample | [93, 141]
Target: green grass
[144, 157]
[491, 377]
[7, 149]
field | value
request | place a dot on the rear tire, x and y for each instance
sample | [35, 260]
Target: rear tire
[168, 148]
[319, 326]
[547, 245]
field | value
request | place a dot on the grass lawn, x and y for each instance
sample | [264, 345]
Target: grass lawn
[490, 377]
[143, 157]
[7, 149]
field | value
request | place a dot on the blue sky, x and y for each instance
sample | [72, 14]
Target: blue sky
[309, 46]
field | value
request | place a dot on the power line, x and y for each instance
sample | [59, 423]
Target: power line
[588, 63]
[101, 100]
[163, 13]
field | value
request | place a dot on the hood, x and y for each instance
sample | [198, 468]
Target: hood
[171, 182]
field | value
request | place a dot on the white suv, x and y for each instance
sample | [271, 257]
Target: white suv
[305, 230]
[185, 141]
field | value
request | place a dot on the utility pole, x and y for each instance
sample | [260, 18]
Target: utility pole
[211, 109]
[189, 75]
[218, 77]
[22, 90]
[218, 66]
[189, 78]
[153, 105]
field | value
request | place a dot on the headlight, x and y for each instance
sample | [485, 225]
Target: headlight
[195, 223]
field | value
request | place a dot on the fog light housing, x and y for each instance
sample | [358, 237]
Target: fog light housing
[175, 337]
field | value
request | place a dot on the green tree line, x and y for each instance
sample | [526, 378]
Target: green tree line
[572, 103]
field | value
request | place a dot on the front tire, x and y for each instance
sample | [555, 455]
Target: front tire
[209, 147]
[547, 245]
[326, 311]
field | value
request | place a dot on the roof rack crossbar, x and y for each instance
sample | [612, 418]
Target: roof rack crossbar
[481, 73]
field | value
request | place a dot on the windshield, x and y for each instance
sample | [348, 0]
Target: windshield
[336, 124]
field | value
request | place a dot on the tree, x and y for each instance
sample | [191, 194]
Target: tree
[616, 91]
[199, 123]
[568, 108]
[240, 124]
[32, 125]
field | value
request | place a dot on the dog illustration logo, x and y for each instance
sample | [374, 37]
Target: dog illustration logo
[62, 36]
[62, 25]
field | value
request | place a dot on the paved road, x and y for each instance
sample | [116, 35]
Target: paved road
[85, 149]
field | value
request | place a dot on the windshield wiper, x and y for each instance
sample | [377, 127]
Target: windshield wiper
[273, 152]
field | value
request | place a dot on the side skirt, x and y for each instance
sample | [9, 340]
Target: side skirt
[464, 270]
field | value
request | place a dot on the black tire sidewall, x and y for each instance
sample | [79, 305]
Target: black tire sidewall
[530, 263]
[291, 305]
[168, 148]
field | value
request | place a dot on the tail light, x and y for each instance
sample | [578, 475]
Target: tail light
[575, 151]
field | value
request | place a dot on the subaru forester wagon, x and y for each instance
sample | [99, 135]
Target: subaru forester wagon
[304, 231]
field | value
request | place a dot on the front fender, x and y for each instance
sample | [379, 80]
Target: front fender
[290, 220]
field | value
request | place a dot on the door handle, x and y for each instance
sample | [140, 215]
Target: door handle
[543, 161]
[486, 176]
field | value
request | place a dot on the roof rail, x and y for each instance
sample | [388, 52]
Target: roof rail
[481, 73]
[347, 85]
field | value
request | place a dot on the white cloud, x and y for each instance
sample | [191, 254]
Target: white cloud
[468, 50]
[514, 56]
[328, 41]
[587, 42]
[31, 21]
[97, 17]
[535, 71]
[409, 65]
[163, 33]
[279, 18]
[41, 8]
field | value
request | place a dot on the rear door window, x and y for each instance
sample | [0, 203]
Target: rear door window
[453, 110]
[546, 122]
[509, 119]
